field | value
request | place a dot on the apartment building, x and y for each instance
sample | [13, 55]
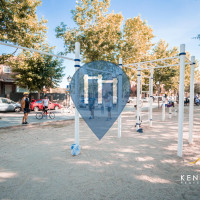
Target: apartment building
[7, 84]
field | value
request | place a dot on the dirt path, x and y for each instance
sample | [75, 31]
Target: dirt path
[36, 164]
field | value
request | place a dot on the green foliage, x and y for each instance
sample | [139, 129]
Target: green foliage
[137, 36]
[35, 71]
[101, 34]
[103, 37]
[19, 23]
[165, 76]
[98, 34]
[136, 43]
[88, 12]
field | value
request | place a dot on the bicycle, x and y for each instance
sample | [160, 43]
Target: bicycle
[45, 113]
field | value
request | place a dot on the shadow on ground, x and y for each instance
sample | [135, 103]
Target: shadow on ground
[36, 162]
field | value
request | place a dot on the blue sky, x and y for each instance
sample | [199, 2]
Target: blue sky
[175, 21]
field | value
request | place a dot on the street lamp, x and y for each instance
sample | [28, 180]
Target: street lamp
[69, 78]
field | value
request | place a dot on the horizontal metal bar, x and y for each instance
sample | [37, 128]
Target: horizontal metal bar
[165, 66]
[134, 65]
[151, 61]
[188, 60]
[34, 50]
[129, 67]
[157, 66]
[146, 76]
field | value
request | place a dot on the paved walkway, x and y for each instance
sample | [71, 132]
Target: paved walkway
[15, 119]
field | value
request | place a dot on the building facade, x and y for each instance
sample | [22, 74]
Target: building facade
[7, 83]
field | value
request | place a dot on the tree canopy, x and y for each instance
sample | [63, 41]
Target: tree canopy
[19, 24]
[101, 34]
[34, 71]
[106, 36]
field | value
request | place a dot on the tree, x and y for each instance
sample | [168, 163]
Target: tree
[136, 43]
[164, 76]
[103, 37]
[101, 34]
[34, 71]
[19, 23]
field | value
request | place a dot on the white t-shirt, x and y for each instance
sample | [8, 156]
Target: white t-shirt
[45, 102]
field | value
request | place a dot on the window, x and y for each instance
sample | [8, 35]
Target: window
[38, 101]
[6, 69]
[4, 100]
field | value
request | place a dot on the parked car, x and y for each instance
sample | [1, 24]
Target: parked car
[36, 105]
[7, 105]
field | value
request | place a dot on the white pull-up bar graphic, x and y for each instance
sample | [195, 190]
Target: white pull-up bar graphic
[100, 82]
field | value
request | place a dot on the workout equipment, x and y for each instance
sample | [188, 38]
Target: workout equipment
[142, 119]
[75, 149]
[179, 61]
[163, 108]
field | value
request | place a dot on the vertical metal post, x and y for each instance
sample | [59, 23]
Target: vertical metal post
[149, 87]
[151, 100]
[77, 65]
[120, 99]
[163, 109]
[181, 99]
[191, 108]
[138, 97]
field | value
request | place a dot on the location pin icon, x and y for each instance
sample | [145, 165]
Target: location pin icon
[102, 92]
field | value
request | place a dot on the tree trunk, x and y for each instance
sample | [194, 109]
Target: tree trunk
[38, 95]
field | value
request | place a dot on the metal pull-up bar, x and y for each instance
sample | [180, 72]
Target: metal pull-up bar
[182, 64]
[77, 66]
[181, 61]
[34, 50]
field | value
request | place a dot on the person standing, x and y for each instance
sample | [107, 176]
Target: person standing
[109, 105]
[45, 103]
[91, 106]
[25, 104]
